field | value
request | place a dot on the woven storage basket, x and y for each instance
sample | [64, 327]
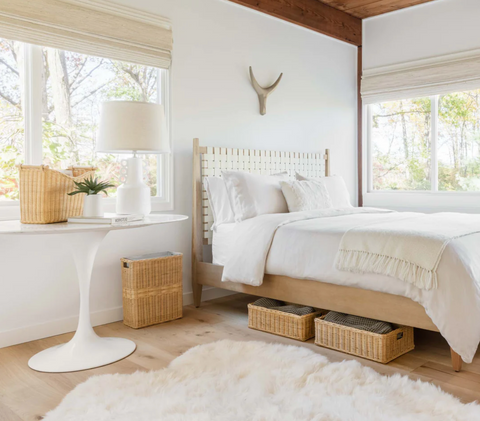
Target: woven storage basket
[280, 323]
[373, 346]
[43, 194]
[152, 289]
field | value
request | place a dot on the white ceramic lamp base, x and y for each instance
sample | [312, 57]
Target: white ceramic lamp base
[133, 197]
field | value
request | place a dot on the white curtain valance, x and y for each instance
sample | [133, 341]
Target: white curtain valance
[454, 73]
[94, 27]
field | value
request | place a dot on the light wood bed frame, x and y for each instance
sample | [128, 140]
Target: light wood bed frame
[209, 161]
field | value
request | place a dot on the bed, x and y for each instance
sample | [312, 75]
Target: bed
[305, 274]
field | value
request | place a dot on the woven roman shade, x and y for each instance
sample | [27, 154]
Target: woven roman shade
[454, 73]
[93, 27]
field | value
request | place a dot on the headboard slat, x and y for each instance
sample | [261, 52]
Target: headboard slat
[214, 160]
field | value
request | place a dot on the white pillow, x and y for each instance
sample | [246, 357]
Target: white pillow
[305, 195]
[336, 189]
[252, 194]
[219, 201]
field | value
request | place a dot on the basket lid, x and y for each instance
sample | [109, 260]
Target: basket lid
[153, 255]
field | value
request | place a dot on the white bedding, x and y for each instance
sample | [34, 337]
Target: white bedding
[221, 242]
[307, 248]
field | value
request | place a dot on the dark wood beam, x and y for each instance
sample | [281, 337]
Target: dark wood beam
[312, 14]
[367, 8]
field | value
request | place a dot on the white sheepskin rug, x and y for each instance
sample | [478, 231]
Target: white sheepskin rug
[256, 381]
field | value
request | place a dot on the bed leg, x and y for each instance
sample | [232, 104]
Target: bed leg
[197, 294]
[456, 360]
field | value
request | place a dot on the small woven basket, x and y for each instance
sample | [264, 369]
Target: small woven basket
[43, 193]
[152, 289]
[382, 348]
[280, 323]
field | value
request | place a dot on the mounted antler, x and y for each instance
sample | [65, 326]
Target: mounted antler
[263, 93]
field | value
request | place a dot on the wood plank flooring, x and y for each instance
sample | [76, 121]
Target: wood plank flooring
[26, 395]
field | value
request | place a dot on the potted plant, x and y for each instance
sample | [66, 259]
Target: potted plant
[91, 187]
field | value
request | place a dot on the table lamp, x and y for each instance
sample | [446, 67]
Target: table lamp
[132, 127]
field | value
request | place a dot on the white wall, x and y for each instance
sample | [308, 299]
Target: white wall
[214, 43]
[429, 30]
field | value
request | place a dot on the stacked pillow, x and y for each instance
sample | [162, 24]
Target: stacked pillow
[251, 195]
[305, 195]
[238, 195]
[336, 188]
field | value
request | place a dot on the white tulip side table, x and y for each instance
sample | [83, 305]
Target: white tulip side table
[85, 350]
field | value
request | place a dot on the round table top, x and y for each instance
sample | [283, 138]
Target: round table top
[16, 227]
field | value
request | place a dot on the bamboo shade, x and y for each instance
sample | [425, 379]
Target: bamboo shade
[443, 75]
[93, 27]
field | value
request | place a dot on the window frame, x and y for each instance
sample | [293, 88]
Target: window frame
[33, 63]
[432, 200]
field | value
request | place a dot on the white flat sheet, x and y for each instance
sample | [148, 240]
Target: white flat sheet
[221, 242]
[306, 249]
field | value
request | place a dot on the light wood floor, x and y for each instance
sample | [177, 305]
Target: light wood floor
[27, 395]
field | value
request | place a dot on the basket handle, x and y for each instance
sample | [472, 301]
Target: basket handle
[26, 167]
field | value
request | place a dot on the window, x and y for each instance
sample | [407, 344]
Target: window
[49, 111]
[425, 144]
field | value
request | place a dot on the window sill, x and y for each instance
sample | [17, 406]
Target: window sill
[424, 201]
[11, 210]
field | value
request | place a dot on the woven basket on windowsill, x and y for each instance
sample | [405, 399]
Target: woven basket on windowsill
[382, 348]
[43, 193]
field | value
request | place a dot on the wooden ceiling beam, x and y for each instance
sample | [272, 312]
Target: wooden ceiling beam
[367, 8]
[312, 14]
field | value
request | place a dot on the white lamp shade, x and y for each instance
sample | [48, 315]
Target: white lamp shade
[127, 126]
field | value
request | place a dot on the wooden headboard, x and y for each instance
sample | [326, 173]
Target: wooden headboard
[211, 161]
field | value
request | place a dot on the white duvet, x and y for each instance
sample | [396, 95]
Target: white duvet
[304, 245]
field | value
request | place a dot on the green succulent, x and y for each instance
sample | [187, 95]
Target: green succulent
[91, 186]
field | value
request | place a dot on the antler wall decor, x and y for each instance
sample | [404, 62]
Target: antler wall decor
[263, 93]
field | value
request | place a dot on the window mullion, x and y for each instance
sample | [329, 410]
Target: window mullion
[164, 160]
[434, 144]
[369, 154]
[33, 104]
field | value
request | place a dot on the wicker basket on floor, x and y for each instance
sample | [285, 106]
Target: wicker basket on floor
[373, 346]
[152, 289]
[280, 323]
[43, 194]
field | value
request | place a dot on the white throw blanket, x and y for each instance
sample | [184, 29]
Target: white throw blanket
[408, 247]
[246, 264]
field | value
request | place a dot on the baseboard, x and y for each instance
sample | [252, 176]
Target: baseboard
[56, 327]
[69, 324]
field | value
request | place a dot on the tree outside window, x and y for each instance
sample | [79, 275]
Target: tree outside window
[409, 152]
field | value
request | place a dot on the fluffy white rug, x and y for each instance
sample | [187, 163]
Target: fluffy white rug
[255, 381]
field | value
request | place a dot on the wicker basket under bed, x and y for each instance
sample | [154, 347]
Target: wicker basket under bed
[43, 193]
[152, 289]
[382, 348]
[280, 323]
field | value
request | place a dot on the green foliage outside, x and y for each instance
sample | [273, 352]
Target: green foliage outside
[402, 149]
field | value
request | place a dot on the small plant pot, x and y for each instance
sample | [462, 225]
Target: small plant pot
[93, 205]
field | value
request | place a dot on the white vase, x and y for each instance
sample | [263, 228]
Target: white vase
[93, 205]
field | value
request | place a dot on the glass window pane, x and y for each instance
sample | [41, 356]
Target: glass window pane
[11, 117]
[400, 142]
[75, 86]
[459, 141]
